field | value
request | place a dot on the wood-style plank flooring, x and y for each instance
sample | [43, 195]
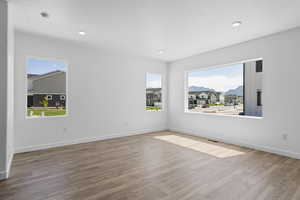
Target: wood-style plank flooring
[163, 165]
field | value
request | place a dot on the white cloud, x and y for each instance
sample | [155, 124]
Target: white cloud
[218, 83]
[153, 84]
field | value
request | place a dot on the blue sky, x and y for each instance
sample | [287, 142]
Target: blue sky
[220, 78]
[40, 66]
[153, 80]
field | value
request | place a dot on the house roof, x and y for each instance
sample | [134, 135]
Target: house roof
[206, 92]
[39, 76]
[154, 89]
[32, 76]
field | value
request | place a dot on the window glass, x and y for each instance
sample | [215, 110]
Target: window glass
[46, 84]
[153, 91]
[228, 90]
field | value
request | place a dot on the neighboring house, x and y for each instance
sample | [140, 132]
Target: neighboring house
[153, 97]
[51, 86]
[253, 88]
[205, 97]
[232, 99]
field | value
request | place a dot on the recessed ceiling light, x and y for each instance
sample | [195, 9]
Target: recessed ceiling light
[45, 14]
[236, 24]
[160, 51]
[82, 33]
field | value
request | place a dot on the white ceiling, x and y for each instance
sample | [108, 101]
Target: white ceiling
[142, 27]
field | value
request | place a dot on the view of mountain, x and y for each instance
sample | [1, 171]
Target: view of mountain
[238, 91]
[200, 89]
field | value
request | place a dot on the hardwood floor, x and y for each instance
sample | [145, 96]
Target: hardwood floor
[163, 165]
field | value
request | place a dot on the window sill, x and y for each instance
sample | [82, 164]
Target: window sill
[154, 110]
[221, 115]
[46, 117]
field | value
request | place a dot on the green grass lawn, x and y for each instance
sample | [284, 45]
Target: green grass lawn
[153, 108]
[216, 104]
[48, 112]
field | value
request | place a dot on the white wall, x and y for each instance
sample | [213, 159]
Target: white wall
[3, 87]
[97, 78]
[10, 88]
[106, 94]
[6, 89]
[280, 53]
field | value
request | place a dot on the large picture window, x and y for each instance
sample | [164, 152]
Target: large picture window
[228, 90]
[153, 92]
[46, 88]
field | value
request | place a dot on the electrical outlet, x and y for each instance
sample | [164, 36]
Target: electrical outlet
[284, 136]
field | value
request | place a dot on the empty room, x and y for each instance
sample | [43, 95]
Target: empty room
[149, 100]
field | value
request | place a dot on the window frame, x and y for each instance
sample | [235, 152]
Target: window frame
[26, 87]
[197, 68]
[162, 92]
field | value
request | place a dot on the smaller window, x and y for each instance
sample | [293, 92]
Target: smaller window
[258, 94]
[62, 97]
[153, 92]
[46, 82]
[49, 97]
[259, 66]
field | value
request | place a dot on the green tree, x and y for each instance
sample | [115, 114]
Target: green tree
[44, 102]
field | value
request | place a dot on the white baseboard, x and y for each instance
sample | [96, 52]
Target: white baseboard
[85, 140]
[239, 143]
[5, 174]
[8, 167]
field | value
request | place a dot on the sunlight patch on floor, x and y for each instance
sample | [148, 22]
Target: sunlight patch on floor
[201, 146]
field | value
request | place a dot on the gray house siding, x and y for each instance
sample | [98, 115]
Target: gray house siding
[53, 84]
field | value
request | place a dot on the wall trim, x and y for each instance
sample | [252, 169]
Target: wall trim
[3, 175]
[8, 167]
[239, 143]
[86, 140]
